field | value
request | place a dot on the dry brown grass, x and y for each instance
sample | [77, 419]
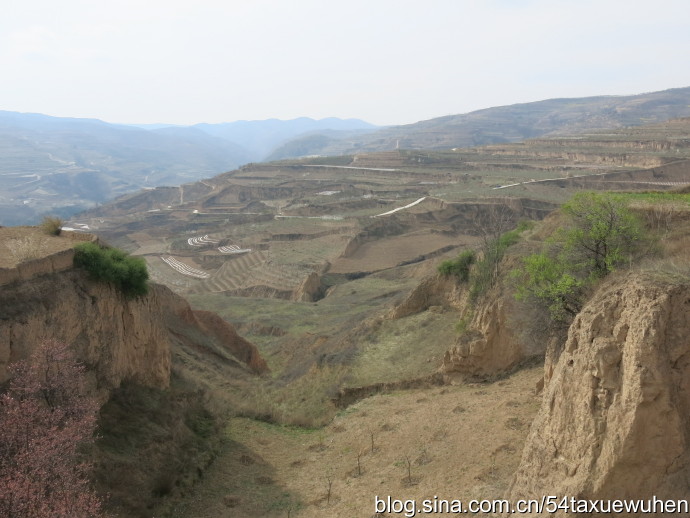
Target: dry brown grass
[18, 244]
[391, 251]
[26, 248]
[51, 225]
[471, 454]
[304, 402]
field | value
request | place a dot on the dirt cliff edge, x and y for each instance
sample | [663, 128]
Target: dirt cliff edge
[615, 417]
[116, 337]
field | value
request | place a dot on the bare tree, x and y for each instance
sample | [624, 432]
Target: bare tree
[329, 486]
[371, 437]
[408, 463]
[491, 225]
[360, 453]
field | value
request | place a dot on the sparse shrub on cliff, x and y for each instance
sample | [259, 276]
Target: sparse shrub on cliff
[462, 324]
[549, 280]
[487, 269]
[460, 266]
[601, 233]
[51, 225]
[128, 273]
[45, 419]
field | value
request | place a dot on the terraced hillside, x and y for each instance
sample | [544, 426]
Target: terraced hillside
[263, 229]
[334, 289]
[513, 123]
[332, 242]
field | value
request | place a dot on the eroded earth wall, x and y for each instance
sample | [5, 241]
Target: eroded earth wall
[615, 417]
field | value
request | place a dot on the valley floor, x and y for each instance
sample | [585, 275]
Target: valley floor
[459, 441]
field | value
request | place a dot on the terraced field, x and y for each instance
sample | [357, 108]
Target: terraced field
[234, 273]
[389, 252]
[185, 269]
[318, 215]
[361, 268]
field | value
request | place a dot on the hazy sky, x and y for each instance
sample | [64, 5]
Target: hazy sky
[385, 61]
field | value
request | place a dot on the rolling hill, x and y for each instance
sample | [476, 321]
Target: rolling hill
[503, 124]
[63, 166]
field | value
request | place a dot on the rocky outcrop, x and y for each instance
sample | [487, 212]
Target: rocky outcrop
[116, 337]
[615, 417]
[310, 290]
[434, 290]
[491, 344]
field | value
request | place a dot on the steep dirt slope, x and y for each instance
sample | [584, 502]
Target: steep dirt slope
[116, 337]
[462, 441]
[493, 333]
[158, 428]
[614, 419]
[119, 338]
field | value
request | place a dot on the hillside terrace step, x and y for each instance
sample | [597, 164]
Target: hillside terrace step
[201, 241]
[185, 269]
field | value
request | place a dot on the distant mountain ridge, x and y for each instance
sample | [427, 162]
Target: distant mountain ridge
[261, 138]
[502, 124]
[65, 165]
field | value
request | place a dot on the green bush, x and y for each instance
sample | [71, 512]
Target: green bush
[601, 233]
[51, 225]
[127, 273]
[462, 324]
[460, 266]
[550, 281]
[487, 269]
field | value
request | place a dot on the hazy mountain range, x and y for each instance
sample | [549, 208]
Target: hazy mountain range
[62, 165]
[501, 124]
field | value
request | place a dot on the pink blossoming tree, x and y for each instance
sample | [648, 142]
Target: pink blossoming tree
[46, 419]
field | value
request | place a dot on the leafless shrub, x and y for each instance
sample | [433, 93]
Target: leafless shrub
[52, 225]
[329, 487]
[360, 453]
[408, 464]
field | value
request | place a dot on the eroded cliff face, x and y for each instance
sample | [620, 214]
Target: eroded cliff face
[116, 337]
[434, 290]
[615, 417]
[310, 290]
[492, 343]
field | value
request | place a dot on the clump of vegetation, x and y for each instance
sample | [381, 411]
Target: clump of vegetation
[460, 266]
[51, 225]
[127, 273]
[483, 271]
[602, 233]
[487, 268]
[462, 324]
